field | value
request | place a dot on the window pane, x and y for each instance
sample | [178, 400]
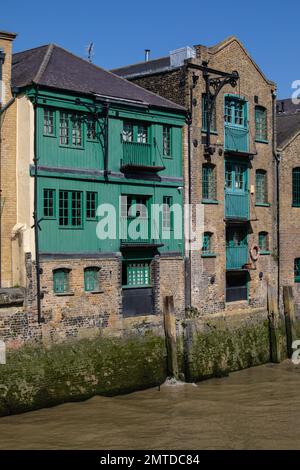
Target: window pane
[63, 208]
[138, 274]
[48, 122]
[64, 129]
[127, 132]
[142, 132]
[213, 124]
[261, 123]
[76, 209]
[91, 128]
[209, 182]
[296, 186]
[91, 205]
[261, 187]
[76, 131]
[167, 204]
[297, 270]
[235, 112]
[49, 202]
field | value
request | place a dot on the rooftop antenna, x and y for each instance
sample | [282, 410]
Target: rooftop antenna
[90, 51]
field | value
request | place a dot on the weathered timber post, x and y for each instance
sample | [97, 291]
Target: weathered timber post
[170, 332]
[273, 316]
[289, 313]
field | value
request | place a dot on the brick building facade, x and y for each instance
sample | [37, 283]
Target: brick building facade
[242, 216]
[288, 140]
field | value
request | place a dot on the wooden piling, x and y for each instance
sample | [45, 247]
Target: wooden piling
[170, 333]
[289, 313]
[273, 315]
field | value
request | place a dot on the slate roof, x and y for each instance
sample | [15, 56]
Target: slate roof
[144, 68]
[288, 121]
[54, 67]
[288, 125]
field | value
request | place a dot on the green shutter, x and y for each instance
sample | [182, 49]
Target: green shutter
[206, 243]
[296, 187]
[61, 281]
[91, 279]
[263, 242]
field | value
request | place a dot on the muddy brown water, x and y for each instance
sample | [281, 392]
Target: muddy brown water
[257, 408]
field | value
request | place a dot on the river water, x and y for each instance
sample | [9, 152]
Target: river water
[257, 408]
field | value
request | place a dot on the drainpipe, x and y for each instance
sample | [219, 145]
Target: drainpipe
[277, 158]
[189, 120]
[36, 225]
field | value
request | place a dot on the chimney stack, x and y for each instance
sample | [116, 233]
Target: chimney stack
[6, 40]
[147, 55]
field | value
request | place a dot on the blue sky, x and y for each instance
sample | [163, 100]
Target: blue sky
[121, 30]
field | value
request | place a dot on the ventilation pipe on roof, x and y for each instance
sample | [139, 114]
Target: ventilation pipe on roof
[147, 55]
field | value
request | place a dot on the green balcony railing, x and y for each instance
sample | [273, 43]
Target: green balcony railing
[236, 257]
[237, 205]
[137, 154]
[236, 139]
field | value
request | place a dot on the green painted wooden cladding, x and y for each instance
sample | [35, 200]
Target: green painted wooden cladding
[71, 138]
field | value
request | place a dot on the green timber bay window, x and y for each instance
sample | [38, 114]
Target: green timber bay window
[213, 123]
[207, 249]
[167, 150]
[70, 209]
[70, 130]
[296, 187]
[261, 187]
[61, 280]
[91, 205]
[263, 243]
[49, 203]
[297, 270]
[236, 190]
[261, 127]
[209, 183]
[91, 279]
[136, 274]
[49, 122]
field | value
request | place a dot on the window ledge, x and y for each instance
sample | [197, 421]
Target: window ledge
[262, 141]
[137, 287]
[204, 131]
[208, 255]
[265, 252]
[168, 157]
[262, 204]
[209, 201]
[94, 291]
[63, 294]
